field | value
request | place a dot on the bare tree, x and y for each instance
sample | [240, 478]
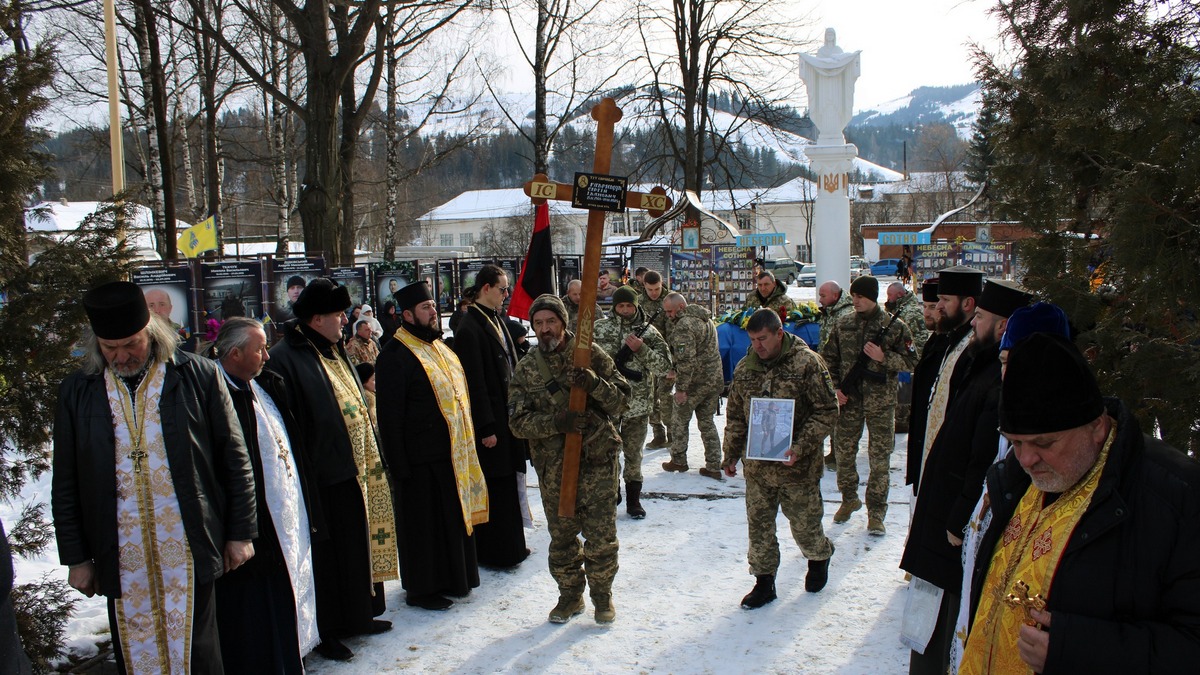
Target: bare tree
[696, 49]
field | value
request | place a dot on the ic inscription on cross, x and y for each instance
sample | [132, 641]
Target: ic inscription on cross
[656, 202]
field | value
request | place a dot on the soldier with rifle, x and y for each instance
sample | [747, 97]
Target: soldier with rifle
[864, 352]
[642, 356]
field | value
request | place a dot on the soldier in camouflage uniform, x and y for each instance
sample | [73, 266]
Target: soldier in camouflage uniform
[538, 396]
[770, 294]
[875, 403]
[649, 356]
[908, 307]
[834, 304]
[698, 383]
[904, 302]
[571, 302]
[780, 365]
[651, 302]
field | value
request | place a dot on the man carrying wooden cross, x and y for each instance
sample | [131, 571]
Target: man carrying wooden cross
[539, 412]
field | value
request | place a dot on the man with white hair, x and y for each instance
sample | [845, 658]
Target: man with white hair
[153, 494]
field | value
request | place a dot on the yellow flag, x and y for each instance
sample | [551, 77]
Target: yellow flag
[198, 238]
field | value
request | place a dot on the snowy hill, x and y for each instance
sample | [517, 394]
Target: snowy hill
[957, 105]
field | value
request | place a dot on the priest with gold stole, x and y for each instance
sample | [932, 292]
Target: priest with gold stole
[153, 493]
[428, 439]
[1091, 561]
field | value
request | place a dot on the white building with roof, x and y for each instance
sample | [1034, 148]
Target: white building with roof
[60, 219]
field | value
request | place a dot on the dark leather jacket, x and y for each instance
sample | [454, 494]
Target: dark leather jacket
[210, 469]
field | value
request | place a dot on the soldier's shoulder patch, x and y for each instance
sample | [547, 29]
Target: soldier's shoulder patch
[908, 344]
[828, 381]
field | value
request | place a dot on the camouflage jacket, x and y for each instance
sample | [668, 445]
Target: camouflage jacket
[532, 406]
[573, 313]
[851, 332]
[694, 351]
[654, 308]
[830, 315]
[652, 360]
[797, 373]
[778, 299]
[910, 310]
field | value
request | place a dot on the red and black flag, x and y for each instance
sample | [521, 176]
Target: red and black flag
[537, 274]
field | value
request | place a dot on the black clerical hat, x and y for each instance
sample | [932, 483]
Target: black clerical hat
[116, 310]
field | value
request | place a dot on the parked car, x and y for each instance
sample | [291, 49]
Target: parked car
[784, 269]
[885, 267]
[859, 267]
[808, 275]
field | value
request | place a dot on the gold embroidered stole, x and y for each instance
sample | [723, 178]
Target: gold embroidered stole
[939, 400]
[449, 384]
[377, 496]
[1028, 552]
[154, 612]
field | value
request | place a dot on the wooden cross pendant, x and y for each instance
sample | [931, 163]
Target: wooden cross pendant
[1020, 598]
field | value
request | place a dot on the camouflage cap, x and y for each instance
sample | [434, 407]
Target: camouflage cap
[551, 302]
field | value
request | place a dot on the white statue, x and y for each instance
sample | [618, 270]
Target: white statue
[829, 77]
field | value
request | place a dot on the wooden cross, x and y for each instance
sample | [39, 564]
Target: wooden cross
[607, 114]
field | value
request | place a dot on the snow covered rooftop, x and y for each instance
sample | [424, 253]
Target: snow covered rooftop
[58, 219]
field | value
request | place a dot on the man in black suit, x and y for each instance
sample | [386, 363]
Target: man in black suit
[488, 355]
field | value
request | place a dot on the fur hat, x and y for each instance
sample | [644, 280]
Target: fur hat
[1048, 387]
[116, 310]
[866, 286]
[551, 302]
[321, 296]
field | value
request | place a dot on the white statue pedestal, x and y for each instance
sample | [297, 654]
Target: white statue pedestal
[829, 77]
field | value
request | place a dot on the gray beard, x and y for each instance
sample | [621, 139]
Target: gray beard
[550, 344]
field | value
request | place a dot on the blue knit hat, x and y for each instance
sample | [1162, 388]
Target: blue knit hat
[1041, 317]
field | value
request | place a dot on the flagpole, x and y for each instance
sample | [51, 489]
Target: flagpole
[116, 146]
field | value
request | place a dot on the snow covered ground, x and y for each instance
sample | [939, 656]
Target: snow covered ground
[683, 574]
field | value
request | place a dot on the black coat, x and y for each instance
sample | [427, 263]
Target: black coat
[488, 370]
[268, 556]
[952, 481]
[210, 469]
[925, 376]
[1126, 594]
[315, 407]
[412, 429]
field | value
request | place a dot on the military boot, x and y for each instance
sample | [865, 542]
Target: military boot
[849, 505]
[634, 506]
[660, 437]
[605, 611]
[818, 574]
[831, 461]
[762, 593]
[875, 525]
[567, 607]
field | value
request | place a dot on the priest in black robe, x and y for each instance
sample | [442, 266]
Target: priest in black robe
[428, 441]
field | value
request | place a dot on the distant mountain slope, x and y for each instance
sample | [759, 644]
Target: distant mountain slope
[956, 105]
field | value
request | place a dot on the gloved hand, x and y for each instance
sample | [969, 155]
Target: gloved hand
[568, 420]
[584, 378]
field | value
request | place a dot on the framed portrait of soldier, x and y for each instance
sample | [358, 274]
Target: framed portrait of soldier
[770, 430]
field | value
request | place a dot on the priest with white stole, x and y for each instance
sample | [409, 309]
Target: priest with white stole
[266, 609]
[153, 493]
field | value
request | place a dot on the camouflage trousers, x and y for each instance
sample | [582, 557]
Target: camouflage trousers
[771, 486]
[704, 407]
[592, 562]
[664, 409]
[881, 440]
[633, 439]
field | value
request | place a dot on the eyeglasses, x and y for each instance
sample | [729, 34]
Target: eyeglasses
[503, 289]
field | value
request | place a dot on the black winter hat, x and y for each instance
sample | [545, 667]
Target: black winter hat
[624, 294]
[1047, 387]
[116, 310]
[321, 296]
[866, 286]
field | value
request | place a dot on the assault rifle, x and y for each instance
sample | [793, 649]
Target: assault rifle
[625, 353]
[859, 371]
